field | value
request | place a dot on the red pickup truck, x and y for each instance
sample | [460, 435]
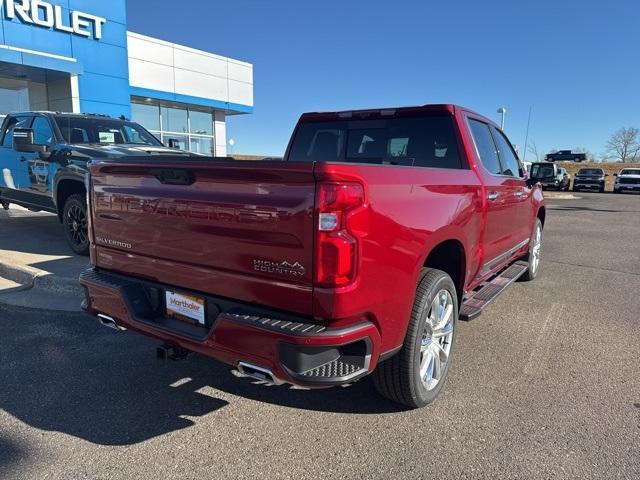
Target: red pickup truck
[355, 255]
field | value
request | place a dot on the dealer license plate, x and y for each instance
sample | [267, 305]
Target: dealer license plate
[188, 308]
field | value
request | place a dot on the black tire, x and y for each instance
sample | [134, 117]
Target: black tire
[74, 222]
[398, 378]
[534, 267]
[601, 189]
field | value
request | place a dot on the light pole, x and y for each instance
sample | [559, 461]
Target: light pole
[502, 111]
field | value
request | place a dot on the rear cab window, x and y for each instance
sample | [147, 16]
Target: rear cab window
[542, 170]
[421, 141]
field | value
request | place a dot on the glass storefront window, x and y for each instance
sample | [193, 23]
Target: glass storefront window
[174, 120]
[147, 115]
[33, 89]
[183, 140]
[201, 123]
[192, 128]
[202, 145]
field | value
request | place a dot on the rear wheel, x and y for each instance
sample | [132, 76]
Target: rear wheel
[533, 258]
[416, 374]
[601, 189]
[74, 220]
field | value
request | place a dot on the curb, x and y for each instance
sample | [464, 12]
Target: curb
[32, 278]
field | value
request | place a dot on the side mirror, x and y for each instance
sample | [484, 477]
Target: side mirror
[606, 174]
[173, 143]
[23, 142]
[530, 181]
[615, 174]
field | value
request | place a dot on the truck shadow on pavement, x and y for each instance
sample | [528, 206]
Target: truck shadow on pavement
[10, 454]
[33, 233]
[66, 373]
[38, 241]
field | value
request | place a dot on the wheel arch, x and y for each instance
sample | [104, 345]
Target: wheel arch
[65, 188]
[542, 215]
[450, 257]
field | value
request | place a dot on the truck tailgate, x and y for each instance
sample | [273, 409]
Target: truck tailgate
[221, 227]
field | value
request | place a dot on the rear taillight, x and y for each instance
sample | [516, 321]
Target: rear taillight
[337, 248]
[87, 187]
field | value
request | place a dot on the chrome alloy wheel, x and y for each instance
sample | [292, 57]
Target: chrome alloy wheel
[535, 250]
[436, 340]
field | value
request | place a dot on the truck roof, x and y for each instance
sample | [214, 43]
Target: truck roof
[390, 111]
[64, 114]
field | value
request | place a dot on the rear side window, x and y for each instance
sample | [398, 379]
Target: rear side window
[485, 146]
[510, 162]
[429, 141]
[12, 124]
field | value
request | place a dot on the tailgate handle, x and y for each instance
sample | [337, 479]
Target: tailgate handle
[174, 176]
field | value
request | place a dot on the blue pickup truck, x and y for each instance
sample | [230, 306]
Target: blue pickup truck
[44, 157]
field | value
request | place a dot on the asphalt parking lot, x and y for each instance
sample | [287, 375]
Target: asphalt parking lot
[545, 384]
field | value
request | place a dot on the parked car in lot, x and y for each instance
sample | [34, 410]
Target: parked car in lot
[589, 179]
[565, 155]
[628, 180]
[44, 157]
[550, 175]
[355, 255]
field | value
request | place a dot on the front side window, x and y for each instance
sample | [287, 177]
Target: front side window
[12, 124]
[428, 141]
[510, 162]
[42, 132]
[485, 146]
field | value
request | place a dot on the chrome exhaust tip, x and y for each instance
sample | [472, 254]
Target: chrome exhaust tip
[258, 373]
[109, 322]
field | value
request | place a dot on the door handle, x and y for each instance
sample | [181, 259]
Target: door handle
[23, 158]
[493, 195]
[520, 193]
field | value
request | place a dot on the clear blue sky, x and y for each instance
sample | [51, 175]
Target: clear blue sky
[577, 63]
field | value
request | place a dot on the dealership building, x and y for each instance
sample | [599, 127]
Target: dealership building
[77, 56]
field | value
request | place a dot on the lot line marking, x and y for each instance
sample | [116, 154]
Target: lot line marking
[539, 357]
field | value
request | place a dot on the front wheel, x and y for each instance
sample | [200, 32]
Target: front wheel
[74, 220]
[533, 258]
[416, 374]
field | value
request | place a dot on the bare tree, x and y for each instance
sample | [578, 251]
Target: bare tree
[625, 144]
[535, 151]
